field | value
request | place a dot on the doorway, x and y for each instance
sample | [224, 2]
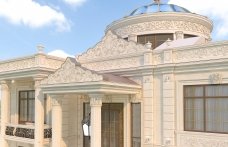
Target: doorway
[111, 125]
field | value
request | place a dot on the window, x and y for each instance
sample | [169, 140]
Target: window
[136, 125]
[26, 106]
[155, 39]
[206, 108]
[189, 36]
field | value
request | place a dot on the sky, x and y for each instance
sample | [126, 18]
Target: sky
[70, 27]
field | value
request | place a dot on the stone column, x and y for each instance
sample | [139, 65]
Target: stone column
[39, 115]
[95, 104]
[179, 35]
[4, 112]
[168, 110]
[56, 121]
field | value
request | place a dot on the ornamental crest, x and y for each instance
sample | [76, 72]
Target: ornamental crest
[111, 46]
[72, 72]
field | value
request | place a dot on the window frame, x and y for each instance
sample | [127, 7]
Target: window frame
[204, 97]
[27, 109]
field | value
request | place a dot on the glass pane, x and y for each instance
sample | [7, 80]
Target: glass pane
[31, 110]
[216, 90]
[194, 114]
[136, 124]
[193, 91]
[23, 110]
[31, 94]
[23, 94]
[217, 115]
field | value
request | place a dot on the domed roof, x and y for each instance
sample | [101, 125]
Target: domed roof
[155, 7]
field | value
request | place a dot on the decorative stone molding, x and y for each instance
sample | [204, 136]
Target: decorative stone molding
[147, 140]
[111, 46]
[95, 101]
[168, 55]
[56, 101]
[163, 25]
[71, 72]
[201, 53]
[107, 99]
[147, 79]
[216, 78]
[114, 64]
[196, 141]
[4, 85]
[136, 98]
[167, 78]
[17, 65]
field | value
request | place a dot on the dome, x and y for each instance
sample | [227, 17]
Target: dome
[154, 7]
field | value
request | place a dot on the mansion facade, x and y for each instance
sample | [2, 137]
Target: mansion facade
[154, 80]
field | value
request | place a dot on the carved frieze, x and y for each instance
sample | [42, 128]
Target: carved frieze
[204, 53]
[196, 141]
[114, 64]
[17, 65]
[71, 72]
[111, 46]
[163, 25]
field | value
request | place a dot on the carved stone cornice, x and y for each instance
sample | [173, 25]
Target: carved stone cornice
[111, 46]
[71, 72]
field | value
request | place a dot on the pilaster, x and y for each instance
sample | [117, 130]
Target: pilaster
[168, 110]
[96, 103]
[5, 96]
[148, 111]
[56, 120]
[39, 115]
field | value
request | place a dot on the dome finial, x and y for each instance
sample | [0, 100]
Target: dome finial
[158, 2]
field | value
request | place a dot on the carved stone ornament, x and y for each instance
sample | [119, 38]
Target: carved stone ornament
[71, 72]
[111, 46]
[114, 64]
[56, 101]
[147, 140]
[163, 25]
[136, 98]
[95, 101]
[216, 78]
[190, 141]
[200, 54]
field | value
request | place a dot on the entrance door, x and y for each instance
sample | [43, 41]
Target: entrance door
[112, 125]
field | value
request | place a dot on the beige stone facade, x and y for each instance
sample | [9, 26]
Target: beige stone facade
[115, 71]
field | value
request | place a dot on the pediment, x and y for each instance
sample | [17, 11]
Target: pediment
[111, 46]
[71, 72]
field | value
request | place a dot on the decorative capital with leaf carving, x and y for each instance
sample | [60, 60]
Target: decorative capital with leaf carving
[216, 78]
[96, 100]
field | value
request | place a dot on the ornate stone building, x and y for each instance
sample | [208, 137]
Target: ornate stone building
[154, 80]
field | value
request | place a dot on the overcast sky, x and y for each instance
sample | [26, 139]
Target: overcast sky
[72, 26]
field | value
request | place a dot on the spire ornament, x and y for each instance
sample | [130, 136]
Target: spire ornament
[158, 3]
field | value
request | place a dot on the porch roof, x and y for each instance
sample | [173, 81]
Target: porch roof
[73, 78]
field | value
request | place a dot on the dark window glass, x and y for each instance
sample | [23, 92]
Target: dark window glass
[206, 108]
[189, 36]
[155, 39]
[136, 125]
[26, 106]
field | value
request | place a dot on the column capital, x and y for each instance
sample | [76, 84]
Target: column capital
[96, 99]
[56, 100]
[136, 98]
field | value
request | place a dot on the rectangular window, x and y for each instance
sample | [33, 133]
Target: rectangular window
[206, 108]
[26, 106]
[136, 125]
